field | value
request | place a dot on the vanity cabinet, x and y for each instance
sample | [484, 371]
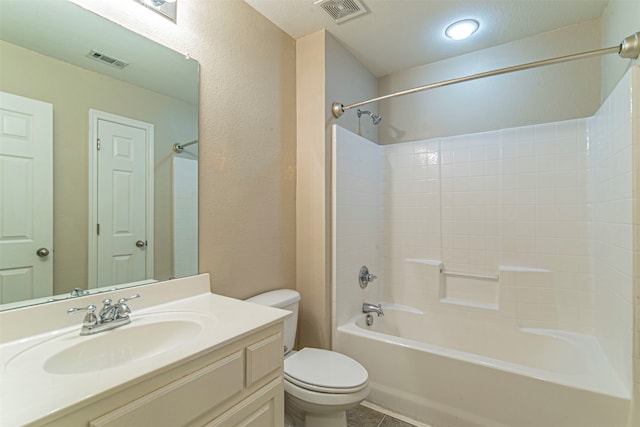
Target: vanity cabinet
[237, 384]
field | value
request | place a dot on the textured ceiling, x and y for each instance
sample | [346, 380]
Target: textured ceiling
[399, 34]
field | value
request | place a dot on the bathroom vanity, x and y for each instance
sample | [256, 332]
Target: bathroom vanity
[188, 357]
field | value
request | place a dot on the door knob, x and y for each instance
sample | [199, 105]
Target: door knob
[141, 244]
[42, 252]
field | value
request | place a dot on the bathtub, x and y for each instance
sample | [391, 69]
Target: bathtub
[453, 371]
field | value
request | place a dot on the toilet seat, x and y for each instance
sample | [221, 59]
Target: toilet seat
[325, 371]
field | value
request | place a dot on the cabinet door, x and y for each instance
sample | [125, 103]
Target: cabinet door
[264, 358]
[264, 408]
[178, 402]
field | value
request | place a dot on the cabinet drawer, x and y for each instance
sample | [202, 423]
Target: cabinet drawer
[264, 357]
[183, 399]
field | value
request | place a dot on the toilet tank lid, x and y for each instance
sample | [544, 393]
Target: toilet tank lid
[278, 298]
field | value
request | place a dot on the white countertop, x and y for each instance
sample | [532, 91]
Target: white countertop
[27, 395]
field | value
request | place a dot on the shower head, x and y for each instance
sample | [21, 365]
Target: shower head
[376, 118]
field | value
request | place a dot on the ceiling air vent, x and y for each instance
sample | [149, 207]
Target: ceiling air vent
[342, 10]
[106, 59]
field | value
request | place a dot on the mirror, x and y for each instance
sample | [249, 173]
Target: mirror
[94, 73]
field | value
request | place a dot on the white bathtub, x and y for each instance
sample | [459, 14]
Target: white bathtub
[452, 371]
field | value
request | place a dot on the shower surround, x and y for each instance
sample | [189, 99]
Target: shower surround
[526, 228]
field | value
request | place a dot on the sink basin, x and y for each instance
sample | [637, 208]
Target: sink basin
[113, 348]
[143, 338]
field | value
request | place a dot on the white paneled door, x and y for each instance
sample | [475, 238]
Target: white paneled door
[123, 148]
[26, 198]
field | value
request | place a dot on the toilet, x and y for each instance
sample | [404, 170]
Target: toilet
[320, 385]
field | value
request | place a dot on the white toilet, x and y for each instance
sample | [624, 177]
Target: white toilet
[320, 385]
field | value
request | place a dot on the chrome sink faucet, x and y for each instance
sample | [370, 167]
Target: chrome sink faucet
[110, 316]
[373, 308]
[78, 292]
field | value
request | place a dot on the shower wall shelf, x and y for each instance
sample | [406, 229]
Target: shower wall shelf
[495, 277]
[433, 262]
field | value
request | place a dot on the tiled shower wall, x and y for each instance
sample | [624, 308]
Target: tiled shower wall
[610, 196]
[546, 208]
[635, 131]
[514, 198]
[357, 179]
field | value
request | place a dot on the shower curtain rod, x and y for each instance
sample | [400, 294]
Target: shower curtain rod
[628, 48]
[179, 147]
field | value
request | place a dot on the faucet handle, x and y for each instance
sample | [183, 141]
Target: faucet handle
[364, 277]
[123, 300]
[123, 309]
[89, 309]
[90, 318]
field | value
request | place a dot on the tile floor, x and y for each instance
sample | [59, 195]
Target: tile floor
[362, 416]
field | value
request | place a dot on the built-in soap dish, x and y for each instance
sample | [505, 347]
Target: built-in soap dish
[477, 290]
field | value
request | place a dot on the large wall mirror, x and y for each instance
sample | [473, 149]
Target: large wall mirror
[93, 192]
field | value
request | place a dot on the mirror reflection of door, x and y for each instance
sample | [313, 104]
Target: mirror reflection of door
[26, 198]
[124, 196]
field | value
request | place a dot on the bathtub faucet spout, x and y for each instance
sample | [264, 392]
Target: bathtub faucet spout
[372, 308]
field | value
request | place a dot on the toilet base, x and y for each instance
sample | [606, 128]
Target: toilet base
[334, 419]
[292, 413]
[305, 414]
[289, 421]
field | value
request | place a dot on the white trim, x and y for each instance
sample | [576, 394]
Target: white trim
[94, 116]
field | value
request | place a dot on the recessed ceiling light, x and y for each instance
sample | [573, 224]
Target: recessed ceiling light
[461, 30]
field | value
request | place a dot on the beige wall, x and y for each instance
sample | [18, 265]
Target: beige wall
[347, 82]
[326, 73]
[312, 227]
[73, 91]
[541, 95]
[620, 19]
[247, 136]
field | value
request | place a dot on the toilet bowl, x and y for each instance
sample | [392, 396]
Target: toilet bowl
[320, 385]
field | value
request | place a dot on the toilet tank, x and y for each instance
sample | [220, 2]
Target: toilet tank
[285, 299]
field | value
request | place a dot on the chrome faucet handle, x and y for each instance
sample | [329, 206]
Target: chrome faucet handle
[364, 277]
[90, 319]
[122, 309]
[123, 300]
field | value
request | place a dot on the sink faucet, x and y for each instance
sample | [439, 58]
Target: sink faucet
[78, 292]
[372, 308]
[110, 316]
[107, 312]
